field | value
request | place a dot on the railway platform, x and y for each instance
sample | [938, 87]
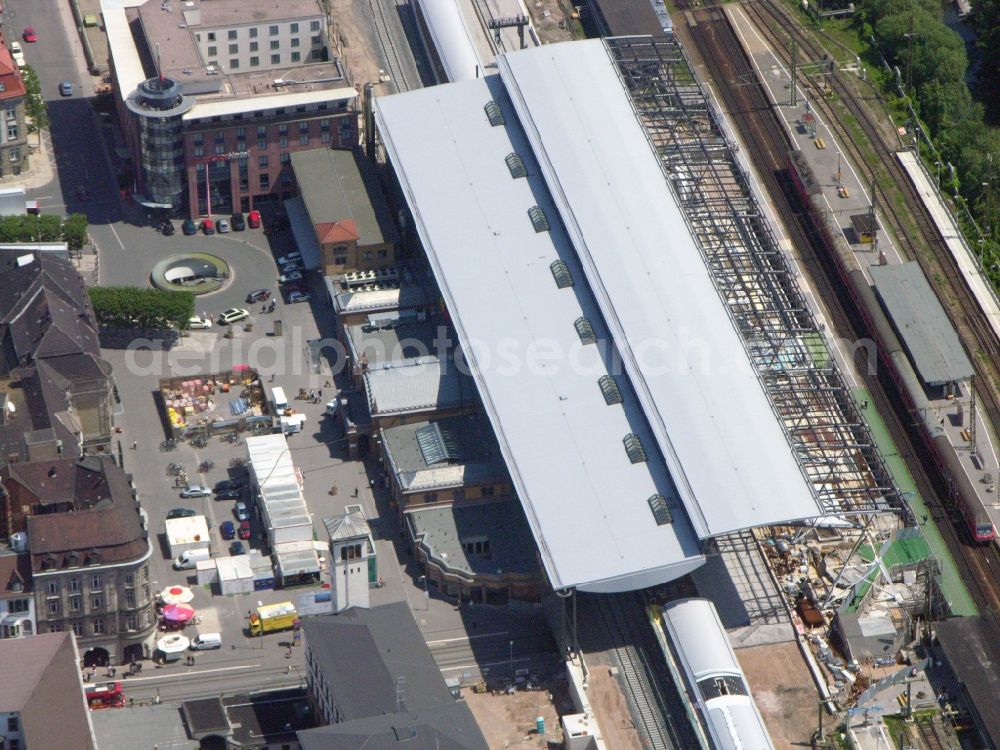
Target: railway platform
[848, 200]
[959, 248]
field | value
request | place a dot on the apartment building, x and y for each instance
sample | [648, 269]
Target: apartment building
[13, 130]
[215, 95]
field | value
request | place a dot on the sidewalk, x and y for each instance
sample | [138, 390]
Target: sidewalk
[41, 165]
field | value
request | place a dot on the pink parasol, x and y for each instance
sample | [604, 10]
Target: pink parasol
[178, 612]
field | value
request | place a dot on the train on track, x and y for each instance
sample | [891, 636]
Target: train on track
[704, 667]
[891, 353]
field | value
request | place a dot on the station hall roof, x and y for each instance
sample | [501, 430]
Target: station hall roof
[554, 225]
[921, 322]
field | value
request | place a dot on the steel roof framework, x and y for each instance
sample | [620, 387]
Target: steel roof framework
[806, 389]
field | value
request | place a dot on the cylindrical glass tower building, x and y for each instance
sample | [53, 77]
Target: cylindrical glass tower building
[158, 105]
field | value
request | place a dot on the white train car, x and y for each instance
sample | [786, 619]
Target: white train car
[450, 38]
[705, 669]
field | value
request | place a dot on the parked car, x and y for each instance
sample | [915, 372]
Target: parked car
[199, 324]
[223, 226]
[293, 276]
[293, 257]
[228, 484]
[231, 494]
[294, 297]
[244, 532]
[208, 226]
[228, 530]
[238, 222]
[195, 490]
[242, 514]
[189, 227]
[66, 88]
[82, 194]
[253, 219]
[236, 548]
[297, 286]
[233, 315]
[15, 48]
[167, 228]
[180, 512]
[292, 268]
[29, 34]
[258, 295]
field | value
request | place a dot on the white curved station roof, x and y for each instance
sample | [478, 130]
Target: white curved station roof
[724, 455]
[724, 446]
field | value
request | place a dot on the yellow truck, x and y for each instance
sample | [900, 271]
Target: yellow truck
[273, 617]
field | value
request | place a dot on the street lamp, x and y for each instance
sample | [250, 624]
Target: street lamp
[511, 645]
[427, 594]
[938, 165]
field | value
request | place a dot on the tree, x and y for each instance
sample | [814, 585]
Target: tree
[34, 104]
[74, 231]
[133, 307]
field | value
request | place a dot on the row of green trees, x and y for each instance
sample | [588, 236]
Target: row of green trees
[34, 104]
[24, 228]
[912, 36]
[133, 307]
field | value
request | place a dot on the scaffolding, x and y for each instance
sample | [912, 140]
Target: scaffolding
[822, 420]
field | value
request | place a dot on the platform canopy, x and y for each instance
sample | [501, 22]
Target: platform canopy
[922, 323]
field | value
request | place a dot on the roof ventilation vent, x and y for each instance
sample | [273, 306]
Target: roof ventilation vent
[585, 331]
[493, 113]
[516, 165]
[610, 390]
[560, 272]
[633, 446]
[661, 513]
[538, 219]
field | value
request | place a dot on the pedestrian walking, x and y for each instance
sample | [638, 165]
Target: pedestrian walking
[272, 377]
[355, 492]
[319, 394]
[135, 444]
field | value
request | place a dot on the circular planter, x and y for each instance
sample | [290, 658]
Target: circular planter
[198, 273]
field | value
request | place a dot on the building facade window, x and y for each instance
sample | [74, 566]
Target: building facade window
[17, 605]
[295, 41]
[53, 607]
[262, 161]
[211, 36]
[296, 57]
[326, 137]
[303, 127]
[213, 51]
[314, 25]
[261, 131]
[304, 140]
[75, 604]
[283, 142]
[284, 157]
[265, 182]
[53, 588]
[131, 623]
[316, 41]
[275, 44]
[273, 30]
[97, 601]
[232, 33]
[275, 59]
[78, 629]
[234, 49]
[74, 584]
[199, 150]
[220, 148]
[254, 62]
[130, 599]
[12, 725]
[253, 32]
[11, 113]
[234, 63]
[12, 131]
[254, 46]
[294, 28]
[262, 144]
[340, 260]
[98, 626]
[15, 154]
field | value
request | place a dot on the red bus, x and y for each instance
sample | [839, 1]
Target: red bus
[108, 695]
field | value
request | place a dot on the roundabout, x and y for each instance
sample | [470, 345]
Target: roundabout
[198, 273]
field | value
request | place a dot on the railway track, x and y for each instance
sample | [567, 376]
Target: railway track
[744, 99]
[620, 626]
[923, 242]
[393, 65]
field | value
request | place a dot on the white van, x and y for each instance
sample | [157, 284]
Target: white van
[188, 559]
[206, 642]
[278, 399]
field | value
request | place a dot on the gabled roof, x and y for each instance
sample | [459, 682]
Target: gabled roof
[10, 76]
[337, 231]
[15, 575]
